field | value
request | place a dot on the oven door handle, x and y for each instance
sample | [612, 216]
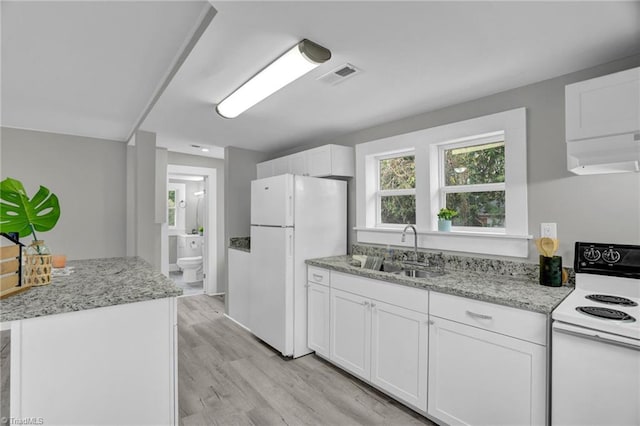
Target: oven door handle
[573, 331]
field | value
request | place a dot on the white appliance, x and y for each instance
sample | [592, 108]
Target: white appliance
[595, 374]
[293, 218]
[190, 257]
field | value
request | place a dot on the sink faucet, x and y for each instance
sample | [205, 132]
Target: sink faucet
[415, 239]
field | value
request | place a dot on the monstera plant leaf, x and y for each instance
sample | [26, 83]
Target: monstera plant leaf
[20, 214]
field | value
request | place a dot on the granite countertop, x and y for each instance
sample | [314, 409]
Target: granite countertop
[240, 243]
[95, 283]
[515, 292]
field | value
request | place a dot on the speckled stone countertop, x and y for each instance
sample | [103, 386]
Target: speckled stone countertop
[516, 292]
[96, 283]
[240, 243]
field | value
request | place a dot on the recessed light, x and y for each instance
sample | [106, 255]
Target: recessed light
[205, 149]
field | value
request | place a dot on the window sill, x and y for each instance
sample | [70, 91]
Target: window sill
[463, 241]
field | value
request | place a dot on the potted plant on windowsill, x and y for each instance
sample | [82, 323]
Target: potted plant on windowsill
[444, 219]
[25, 216]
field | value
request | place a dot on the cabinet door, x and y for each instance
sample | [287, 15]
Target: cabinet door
[319, 161]
[477, 377]
[399, 352]
[603, 106]
[264, 169]
[281, 166]
[319, 316]
[298, 164]
[350, 345]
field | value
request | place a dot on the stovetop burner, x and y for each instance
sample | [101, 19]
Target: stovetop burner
[611, 300]
[605, 313]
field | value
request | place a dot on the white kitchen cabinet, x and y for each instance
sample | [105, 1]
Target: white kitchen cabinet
[330, 160]
[477, 374]
[399, 352]
[103, 366]
[264, 169]
[603, 106]
[324, 161]
[603, 124]
[351, 332]
[239, 265]
[319, 315]
[381, 342]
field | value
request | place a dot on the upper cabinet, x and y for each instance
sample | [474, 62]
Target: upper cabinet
[603, 124]
[324, 161]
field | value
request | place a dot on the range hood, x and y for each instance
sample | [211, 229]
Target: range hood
[612, 154]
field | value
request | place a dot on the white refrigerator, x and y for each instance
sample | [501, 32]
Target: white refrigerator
[293, 218]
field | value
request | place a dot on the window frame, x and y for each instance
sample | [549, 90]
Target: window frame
[174, 208]
[390, 192]
[514, 241]
[482, 187]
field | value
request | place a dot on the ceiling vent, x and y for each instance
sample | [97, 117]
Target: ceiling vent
[340, 74]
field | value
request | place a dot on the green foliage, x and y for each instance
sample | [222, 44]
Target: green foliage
[447, 214]
[398, 173]
[20, 214]
[398, 209]
[472, 165]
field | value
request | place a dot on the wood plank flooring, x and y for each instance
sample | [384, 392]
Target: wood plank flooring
[226, 376]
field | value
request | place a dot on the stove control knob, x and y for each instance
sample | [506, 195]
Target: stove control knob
[591, 254]
[611, 256]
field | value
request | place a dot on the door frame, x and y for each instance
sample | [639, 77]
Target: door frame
[210, 254]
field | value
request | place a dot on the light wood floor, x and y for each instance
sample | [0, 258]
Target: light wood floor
[228, 377]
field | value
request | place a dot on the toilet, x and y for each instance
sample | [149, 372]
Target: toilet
[190, 257]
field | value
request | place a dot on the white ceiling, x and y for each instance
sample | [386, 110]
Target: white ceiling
[89, 68]
[415, 56]
[92, 68]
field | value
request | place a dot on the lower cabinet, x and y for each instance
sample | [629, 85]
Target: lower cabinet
[381, 343]
[319, 311]
[459, 361]
[351, 332]
[482, 377]
[399, 352]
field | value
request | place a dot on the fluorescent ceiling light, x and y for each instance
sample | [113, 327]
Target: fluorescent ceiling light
[296, 62]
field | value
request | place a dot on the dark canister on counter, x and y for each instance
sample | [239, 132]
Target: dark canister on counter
[551, 271]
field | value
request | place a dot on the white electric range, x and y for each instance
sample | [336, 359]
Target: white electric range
[595, 376]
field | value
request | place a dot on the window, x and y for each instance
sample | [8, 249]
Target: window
[477, 167]
[171, 221]
[472, 182]
[396, 198]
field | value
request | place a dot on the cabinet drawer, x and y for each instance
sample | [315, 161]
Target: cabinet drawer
[318, 275]
[395, 294]
[525, 325]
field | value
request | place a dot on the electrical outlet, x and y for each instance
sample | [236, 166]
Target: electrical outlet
[549, 230]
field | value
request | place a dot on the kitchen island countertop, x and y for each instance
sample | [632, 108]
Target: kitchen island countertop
[515, 292]
[95, 283]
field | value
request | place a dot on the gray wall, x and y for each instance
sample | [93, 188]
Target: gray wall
[87, 175]
[179, 159]
[240, 170]
[602, 208]
[148, 231]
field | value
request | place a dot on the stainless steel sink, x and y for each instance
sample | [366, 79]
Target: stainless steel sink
[410, 271]
[418, 273]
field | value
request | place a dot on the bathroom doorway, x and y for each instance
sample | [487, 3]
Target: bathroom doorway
[186, 196]
[189, 236]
